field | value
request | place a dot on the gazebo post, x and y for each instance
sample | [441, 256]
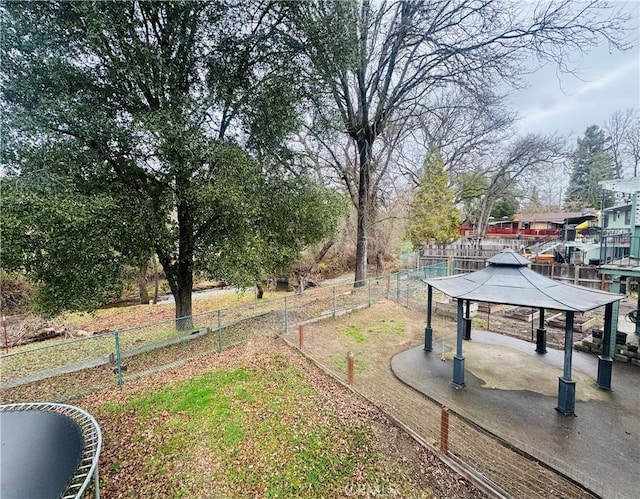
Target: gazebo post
[566, 386]
[615, 288]
[638, 323]
[605, 362]
[458, 360]
[467, 322]
[541, 335]
[428, 332]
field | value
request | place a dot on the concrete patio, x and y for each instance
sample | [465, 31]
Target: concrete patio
[512, 392]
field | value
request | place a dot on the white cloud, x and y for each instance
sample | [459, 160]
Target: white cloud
[606, 82]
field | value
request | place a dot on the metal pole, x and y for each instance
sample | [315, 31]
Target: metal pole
[428, 331]
[96, 479]
[286, 316]
[568, 345]
[398, 286]
[118, 358]
[532, 319]
[369, 292]
[334, 302]
[6, 340]
[458, 359]
[219, 332]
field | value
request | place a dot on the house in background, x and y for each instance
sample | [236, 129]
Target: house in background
[562, 224]
[535, 226]
[617, 217]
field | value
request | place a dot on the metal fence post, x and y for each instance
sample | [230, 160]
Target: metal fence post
[350, 358]
[408, 280]
[219, 332]
[398, 286]
[286, 316]
[118, 358]
[369, 292]
[334, 302]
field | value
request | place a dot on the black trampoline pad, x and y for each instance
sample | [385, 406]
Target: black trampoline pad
[39, 454]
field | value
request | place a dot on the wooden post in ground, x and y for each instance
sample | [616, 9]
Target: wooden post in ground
[444, 431]
[300, 336]
[350, 368]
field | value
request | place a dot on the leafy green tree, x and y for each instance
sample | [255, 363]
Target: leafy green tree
[433, 212]
[506, 205]
[67, 241]
[591, 163]
[171, 107]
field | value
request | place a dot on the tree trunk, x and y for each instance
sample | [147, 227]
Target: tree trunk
[364, 153]
[303, 278]
[155, 281]
[142, 284]
[180, 279]
[182, 295]
[179, 270]
[380, 266]
[483, 219]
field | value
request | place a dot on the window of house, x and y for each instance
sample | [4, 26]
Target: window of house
[627, 217]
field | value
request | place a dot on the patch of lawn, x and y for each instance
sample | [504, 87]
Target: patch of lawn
[353, 332]
[34, 358]
[388, 326]
[479, 322]
[243, 432]
[358, 334]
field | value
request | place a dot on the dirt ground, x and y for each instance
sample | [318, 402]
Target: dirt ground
[374, 336]
[429, 475]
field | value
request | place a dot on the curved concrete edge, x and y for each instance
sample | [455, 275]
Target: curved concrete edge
[420, 375]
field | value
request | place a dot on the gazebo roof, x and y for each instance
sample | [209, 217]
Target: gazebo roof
[508, 280]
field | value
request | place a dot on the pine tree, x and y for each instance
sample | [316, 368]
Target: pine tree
[591, 164]
[433, 212]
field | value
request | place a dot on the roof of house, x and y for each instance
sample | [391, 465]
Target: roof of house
[558, 217]
[618, 207]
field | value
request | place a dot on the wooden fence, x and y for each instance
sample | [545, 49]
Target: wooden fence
[464, 248]
[580, 275]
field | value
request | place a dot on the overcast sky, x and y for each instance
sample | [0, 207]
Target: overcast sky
[607, 82]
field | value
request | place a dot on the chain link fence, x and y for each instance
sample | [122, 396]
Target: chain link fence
[64, 370]
[507, 468]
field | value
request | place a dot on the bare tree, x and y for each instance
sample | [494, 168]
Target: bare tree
[520, 164]
[335, 159]
[619, 128]
[381, 63]
[632, 142]
[464, 127]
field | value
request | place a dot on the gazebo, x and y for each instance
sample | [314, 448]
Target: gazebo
[508, 280]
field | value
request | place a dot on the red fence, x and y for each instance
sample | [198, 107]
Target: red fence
[467, 231]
